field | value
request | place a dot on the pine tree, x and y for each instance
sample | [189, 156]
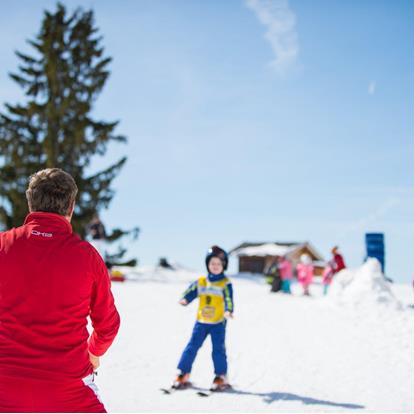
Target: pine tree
[54, 127]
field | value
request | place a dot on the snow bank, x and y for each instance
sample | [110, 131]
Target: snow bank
[268, 249]
[178, 274]
[363, 287]
[285, 353]
[250, 277]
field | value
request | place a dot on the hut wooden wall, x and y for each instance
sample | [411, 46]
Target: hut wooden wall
[251, 264]
[258, 264]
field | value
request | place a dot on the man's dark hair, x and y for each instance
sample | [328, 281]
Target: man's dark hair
[51, 190]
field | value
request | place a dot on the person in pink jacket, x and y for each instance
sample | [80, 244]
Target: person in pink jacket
[285, 271]
[305, 272]
[327, 276]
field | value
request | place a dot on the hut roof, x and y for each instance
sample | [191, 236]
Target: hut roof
[273, 249]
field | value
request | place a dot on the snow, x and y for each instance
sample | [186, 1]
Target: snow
[153, 274]
[350, 351]
[268, 249]
[363, 287]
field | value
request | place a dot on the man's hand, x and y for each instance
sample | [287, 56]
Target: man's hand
[228, 315]
[183, 302]
[94, 360]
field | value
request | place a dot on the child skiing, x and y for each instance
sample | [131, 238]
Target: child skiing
[215, 293]
[305, 273]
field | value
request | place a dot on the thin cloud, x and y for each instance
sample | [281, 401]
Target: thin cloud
[372, 87]
[281, 33]
[372, 218]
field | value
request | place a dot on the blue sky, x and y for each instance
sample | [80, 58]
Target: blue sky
[253, 120]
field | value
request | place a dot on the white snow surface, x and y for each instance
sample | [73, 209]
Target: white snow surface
[350, 351]
[268, 249]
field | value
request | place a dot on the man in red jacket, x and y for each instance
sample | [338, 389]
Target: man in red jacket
[51, 281]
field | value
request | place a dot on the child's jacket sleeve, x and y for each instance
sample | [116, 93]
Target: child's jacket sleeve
[228, 298]
[191, 293]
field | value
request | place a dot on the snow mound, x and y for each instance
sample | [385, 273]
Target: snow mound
[364, 286]
[178, 274]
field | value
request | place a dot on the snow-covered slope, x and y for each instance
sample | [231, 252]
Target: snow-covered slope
[350, 351]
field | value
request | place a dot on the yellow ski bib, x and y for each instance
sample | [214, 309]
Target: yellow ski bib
[211, 300]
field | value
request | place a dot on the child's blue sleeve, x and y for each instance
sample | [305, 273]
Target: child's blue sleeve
[191, 293]
[228, 298]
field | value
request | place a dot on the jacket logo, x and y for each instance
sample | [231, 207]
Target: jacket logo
[40, 233]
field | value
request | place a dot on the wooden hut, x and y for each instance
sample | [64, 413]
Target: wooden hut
[257, 257]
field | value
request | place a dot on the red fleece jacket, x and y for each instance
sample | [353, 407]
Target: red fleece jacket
[339, 262]
[50, 282]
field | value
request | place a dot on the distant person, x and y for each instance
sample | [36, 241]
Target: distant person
[51, 281]
[285, 271]
[268, 272]
[215, 294]
[163, 262]
[273, 276]
[327, 276]
[97, 231]
[338, 260]
[305, 273]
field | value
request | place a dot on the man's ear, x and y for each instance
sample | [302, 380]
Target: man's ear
[28, 204]
[71, 210]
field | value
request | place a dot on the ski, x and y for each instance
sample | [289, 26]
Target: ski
[172, 389]
[168, 390]
[204, 393]
[208, 393]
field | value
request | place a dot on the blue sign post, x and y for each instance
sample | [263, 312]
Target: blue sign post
[375, 247]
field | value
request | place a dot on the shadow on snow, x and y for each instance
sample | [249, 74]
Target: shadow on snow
[270, 397]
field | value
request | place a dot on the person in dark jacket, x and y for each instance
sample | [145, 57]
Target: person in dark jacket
[47, 357]
[273, 276]
[97, 232]
[97, 228]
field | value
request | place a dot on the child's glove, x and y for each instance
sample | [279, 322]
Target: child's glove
[183, 302]
[228, 315]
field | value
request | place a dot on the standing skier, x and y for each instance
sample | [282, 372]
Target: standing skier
[285, 271]
[215, 295]
[97, 232]
[273, 276]
[305, 273]
[337, 260]
[327, 276]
